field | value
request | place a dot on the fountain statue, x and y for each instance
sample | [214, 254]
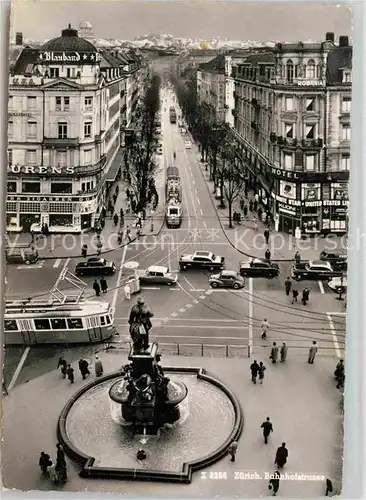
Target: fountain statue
[148, 398]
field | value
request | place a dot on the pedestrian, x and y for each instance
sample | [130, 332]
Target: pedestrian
[70, 374]
[261, 371]
[267, 255]
[103, 284]
[274, 482]
[128, 233]
[61, 471]
[52, 472]
[99, 246]
[63, 364]
[60, 453]
[114, 198]
[128, 206]
[233, 448]
[328, 486]
[256, 197]
[305, 295]
[254, 368]
[341, 378]
[115, 219]
[266, 235]
[295, 294]
[127, 192]
[245, 210]
[267, 429]
[251, 206]
[96, 288]
[260, 213]
[274, 353]
[339, 374]
[98, 366]
[255, 206]
[281, 455]
[84, 250]
[312, 353]
[288, 285]
[84, 368]
[242, 204]
[44, 462]
[138, 233]
[264, 326]
[119, 237]
[127, 290]
[283, 352]
[297, 257]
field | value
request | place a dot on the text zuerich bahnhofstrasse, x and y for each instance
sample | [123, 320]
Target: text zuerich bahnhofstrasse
[284, 476]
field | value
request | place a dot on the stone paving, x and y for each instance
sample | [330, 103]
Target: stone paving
[300, 399]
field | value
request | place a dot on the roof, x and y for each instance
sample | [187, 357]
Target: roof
[26, 60]
[217, 65]
[85, 25]
[256, 58]
[68, 41]
[339, 58]
[158, 269]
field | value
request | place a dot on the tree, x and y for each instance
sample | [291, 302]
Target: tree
[232, 181]
[143, 144]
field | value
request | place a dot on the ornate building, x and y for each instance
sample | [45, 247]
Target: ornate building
[67, 117]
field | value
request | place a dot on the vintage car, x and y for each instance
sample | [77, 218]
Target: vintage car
[227, 279]
[338, 284]
[201, 260]
[319, 270]
[95, 266]
[259, 268]
[157, 274]
[336, 258]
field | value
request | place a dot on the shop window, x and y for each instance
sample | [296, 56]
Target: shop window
[288, 161]
[11, 187]
[289, 130]
[62, 130]
[42, 324]
[10, 128]
[310, 104]
[31, 129]
[346, 132]
[31, 187]
[346, 105]
[31, 157]
[64, 220]
[310, 163]
[311, 69]
[61, 187]
[345, 162]
[289, 103]
[310, 131]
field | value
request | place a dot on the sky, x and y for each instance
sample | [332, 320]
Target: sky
[236, 20]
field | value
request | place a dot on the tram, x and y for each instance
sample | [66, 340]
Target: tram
[74, 321]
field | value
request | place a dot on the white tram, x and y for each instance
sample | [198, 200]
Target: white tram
[51, 322]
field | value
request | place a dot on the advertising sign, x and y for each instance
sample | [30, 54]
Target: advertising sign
[288, 190]
[69, 57]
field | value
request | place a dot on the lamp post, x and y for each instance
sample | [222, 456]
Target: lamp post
[341, 290]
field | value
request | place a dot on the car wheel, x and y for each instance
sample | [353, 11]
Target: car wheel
[214, 285]
[183, 268]
[27, 262]
[211, 268]
[236, 286]
[169, 283]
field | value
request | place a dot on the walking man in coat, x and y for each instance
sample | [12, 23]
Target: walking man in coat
[274, 482]
[267, 429]
[305, 295]
[44, 462]
[261, 371]
[297, 257]
[266, 235]
[267, 255]
[251, 206]
[264, 326]
[281, 456]
[84, 368]
[233, 448]
[63, 364]
[103, 285]
[96, 288]
[295, 294]
[254, 368]
[127, 290]
[70, 374]
[98, 366]
[274, 353]
[283, 352]
[312, 353]
[288, 285]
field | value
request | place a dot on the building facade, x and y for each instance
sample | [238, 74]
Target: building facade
[64, 134]
[292, 130]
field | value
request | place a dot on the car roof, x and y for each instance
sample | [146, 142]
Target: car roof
[158, 269]
[319, 263]
[203, 253]
[96, 259]
[232, 273]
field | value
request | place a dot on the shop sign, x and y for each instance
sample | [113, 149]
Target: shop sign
[39, 170]
[310, 83]
[312, 203]
[288, 190]
[286, 209]
[288, 201]
[310, 192]
[335, 203]
[286, 174]
[71, 57]
[21, 113]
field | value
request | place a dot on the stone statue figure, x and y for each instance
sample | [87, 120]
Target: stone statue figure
[140, 325]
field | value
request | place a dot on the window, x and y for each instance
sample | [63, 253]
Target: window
[54, 72]
[87, 129]
[31, 187]
[70, 72]
[310, 162]
[62, 130]
[60, 208]
[58, 103]
[310, 131]
[74, 323]
[310, 69]
[11, 187]
[61, 187]
[10, 102]
[30, 157]
[32, 129]
[10, 128]
[61, 158]
[347, 77]
[10, 157]
[290, 71]
[289, 104]
[42, 324]
[102, 320]
[346, 105]
[289, 130]
[345, 162]
[66, 103]
[346, 133]
[31, 103]
[58, 324]
[10, 325]
[310, 104]
[288, 161]
[87, 157]
[62, 103]
[88, 102]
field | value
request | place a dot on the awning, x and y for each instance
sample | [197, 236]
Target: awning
[115, 166]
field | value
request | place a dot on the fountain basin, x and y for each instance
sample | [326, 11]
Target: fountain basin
[109, 450]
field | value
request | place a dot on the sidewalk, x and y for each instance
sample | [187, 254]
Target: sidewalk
[248, 236]
[69, 245]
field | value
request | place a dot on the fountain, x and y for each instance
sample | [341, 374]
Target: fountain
[154, 437]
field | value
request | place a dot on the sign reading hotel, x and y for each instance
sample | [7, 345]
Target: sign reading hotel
[40, 170]
[71, 57]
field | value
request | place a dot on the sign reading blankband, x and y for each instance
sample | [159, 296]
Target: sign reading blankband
[69, 57]
[33, 169]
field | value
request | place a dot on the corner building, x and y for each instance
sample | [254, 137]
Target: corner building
[65, 130]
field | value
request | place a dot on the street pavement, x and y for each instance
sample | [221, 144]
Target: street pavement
[294, 395]
[191, 319]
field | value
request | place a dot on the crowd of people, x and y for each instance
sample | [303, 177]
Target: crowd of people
[56, 470]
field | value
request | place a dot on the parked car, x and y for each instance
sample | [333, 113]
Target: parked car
[201, 260]
[319, 270]
[157, 274]
[21, 254]
[227, 279]
[337, 284]
[95, 266]
[188, 144]
[337, 259]
[259, 268]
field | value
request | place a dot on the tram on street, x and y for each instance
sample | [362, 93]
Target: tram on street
[75, 321]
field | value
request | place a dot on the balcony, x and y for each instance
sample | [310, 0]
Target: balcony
[312, 143]
[55, 142]
[234, 112]
[91, 169]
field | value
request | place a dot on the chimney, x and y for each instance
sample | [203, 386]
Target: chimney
[18, 38]
[343, 41]
[329, 37]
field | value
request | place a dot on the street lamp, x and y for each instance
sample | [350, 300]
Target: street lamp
[341, 290]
